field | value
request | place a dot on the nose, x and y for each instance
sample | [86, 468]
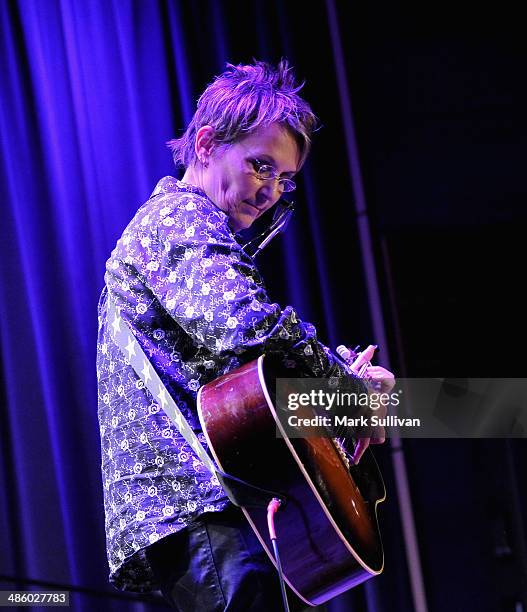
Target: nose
[271, 191]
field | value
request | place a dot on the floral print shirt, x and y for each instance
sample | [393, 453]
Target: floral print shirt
[198, 307]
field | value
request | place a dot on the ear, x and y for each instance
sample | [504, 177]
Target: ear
[204, 143]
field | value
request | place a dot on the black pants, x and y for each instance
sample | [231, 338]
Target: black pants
[217, 564]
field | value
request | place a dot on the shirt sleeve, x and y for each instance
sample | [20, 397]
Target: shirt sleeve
[191, 262]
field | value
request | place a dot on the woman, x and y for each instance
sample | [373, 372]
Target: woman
[198, 307]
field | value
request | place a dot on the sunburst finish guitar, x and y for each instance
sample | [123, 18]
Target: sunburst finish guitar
[328, 531]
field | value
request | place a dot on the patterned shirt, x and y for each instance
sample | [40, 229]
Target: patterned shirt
[198, 307]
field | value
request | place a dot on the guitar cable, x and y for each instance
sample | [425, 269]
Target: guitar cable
[272, 509]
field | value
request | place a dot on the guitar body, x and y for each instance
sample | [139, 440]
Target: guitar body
[328, 533]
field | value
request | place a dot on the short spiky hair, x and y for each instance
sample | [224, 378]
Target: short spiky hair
[243, 99]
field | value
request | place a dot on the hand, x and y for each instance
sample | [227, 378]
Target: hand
[382, 381]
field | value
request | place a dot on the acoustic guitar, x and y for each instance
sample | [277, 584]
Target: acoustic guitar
[328, 530]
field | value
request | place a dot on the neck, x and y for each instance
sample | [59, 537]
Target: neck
[194, 176]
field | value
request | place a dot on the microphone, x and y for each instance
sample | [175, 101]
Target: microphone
[281, 217]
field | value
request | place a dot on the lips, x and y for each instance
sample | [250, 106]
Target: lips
[253, 206]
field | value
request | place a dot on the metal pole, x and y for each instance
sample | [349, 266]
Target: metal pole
[368, 260]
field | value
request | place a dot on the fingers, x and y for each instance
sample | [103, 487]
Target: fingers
[384, 380]
[364, 357]
[380, 410]
[362, 445]
[381, 377]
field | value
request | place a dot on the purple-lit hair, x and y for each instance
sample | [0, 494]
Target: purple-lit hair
[243, 99]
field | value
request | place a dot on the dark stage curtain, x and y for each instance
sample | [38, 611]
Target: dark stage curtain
[90, 93]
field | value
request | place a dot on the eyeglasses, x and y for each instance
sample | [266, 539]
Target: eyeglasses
[265, 172]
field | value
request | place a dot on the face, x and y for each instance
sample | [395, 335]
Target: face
[230, 179]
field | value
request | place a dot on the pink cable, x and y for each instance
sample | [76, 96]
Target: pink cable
[272, 509]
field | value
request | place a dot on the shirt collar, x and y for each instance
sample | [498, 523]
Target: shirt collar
[169, 184]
